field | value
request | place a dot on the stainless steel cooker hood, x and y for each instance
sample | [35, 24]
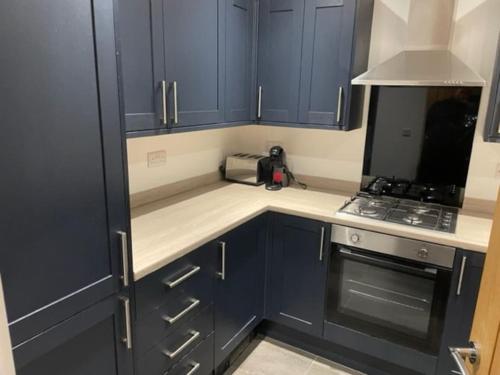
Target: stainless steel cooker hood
[421, 68]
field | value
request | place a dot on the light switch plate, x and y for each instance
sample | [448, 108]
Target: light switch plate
[157, 158]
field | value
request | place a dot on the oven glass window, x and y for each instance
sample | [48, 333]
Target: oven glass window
[387, 297]
[392, 298]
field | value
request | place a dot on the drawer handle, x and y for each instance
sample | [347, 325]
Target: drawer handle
[174, 283]
[172, 320]
[180, 349]
[195, 367]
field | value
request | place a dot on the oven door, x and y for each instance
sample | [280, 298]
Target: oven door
[387, 297]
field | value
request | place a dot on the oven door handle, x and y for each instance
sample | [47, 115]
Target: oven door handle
[385, 263]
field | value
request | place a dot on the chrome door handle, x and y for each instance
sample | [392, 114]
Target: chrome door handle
[125, 270]
[194, 335]
[164, 101]
[222, 273]
[461, 278]
[195, 367]
[127, 340]
[460, 354]
[172, 320]
[174, 283]
[176, 108]
[339, 104]
[259, 103]
[322, 244]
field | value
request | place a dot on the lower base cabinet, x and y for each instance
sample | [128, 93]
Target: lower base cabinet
[239, 289]
[200, 361]
[87, 343]
[195, 313]
[297, 273]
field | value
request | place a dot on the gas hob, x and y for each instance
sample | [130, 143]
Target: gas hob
[403, 211]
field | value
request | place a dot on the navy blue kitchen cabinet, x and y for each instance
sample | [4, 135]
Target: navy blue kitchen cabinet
[239, 290]
[280, 46]
[182, 59]
[61, 248]
[468, 269]
[296, 284]
[142, 64]
[87, 343]
[194, 60]
[308, 53]
[241, 26]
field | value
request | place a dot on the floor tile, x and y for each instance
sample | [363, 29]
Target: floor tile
[268, 358]
[271, 357]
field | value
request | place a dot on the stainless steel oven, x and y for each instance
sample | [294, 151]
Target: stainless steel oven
[388, 287]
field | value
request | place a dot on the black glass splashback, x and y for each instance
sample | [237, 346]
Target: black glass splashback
[419, 142]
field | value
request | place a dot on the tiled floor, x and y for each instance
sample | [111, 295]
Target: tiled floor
[270, 357]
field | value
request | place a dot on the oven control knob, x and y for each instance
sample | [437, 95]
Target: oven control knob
[423, 253]
[355, 238]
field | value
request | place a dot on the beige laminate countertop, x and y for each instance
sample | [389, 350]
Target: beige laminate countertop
[165, 230]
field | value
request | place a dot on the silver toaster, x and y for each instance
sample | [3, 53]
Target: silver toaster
[248, 169]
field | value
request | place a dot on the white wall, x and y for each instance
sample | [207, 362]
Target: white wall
[188, 155]
[397, 25]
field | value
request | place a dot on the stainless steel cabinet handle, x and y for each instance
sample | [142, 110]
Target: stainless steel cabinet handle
[176, 108]
[322, 244]
[259, 103]
[222, 273]
[164, 101]
[339, 105]
[172, 320]
[174, 283]
[459, 355]
[461, 278]
[194, 335]
[195, 367]
[124, 245]
[127, 340]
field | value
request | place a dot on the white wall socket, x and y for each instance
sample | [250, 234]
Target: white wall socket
[157, 158]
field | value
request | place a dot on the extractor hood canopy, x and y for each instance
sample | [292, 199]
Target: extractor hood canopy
[421, 68]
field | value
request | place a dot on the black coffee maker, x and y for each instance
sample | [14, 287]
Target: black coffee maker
[278, 175]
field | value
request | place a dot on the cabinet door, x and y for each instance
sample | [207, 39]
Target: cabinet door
[324, 78]
[61, 153]
[464, 291]
[240, 287]
[492, 128]
[240, 30]
[297, 273]
[88, 343]
[142, 63]
[194, 60]
[280, 47]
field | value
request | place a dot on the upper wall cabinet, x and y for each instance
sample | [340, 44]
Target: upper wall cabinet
[492, 128]
[182, 60]
[308, 53]
[190, 64]
[241, 27]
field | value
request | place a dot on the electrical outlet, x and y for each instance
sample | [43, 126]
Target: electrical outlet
[157, 158]
[497, 171]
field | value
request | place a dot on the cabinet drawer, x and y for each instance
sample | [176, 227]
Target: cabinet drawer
[174, 347]
[199, 362]
[182, 306]
[177, 281]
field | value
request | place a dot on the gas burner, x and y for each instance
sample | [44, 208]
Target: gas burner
[413, 219]
[403, 211]
[367, 211]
